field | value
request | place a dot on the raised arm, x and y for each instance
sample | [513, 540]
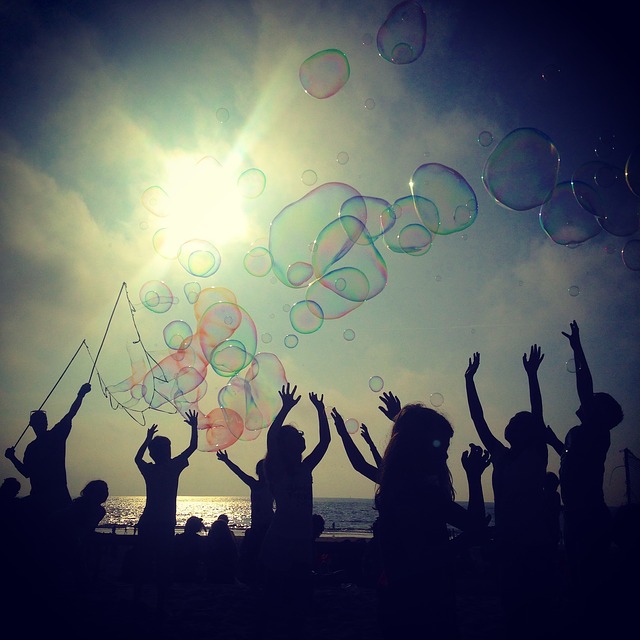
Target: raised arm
[553, 441]
[372, 447]
[584, 381]
[489, 441]
[145, 445]
[77, 403]
[353, 453]
[531, 365]
[245, 477]
[390, 405]
[289, 401]
[192, 421]
[324, 432]
[10, 454]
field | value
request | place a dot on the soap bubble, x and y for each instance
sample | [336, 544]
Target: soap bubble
[323, 74]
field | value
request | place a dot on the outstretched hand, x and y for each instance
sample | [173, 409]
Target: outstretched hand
[10, 453]
[574, 336]
[152, 432]
[84, 389]
[390, 405]
[338, 420]
[288, 396]
[472, 367]
[192, 418]
[318, 403]
[536, 357]
[222, 455]
[476, 460]
[364, 431]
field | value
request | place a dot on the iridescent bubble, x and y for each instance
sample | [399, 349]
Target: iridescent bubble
[574, 290]
[309, 177]
[299, 273]
[265, 377]
[349, 335]
[445, 189]
[157, 201]
[291, 341]
[564, 220]
[222, 115]
[156, 296]
[376, 384]
[192, 291]
[251, 183]
[407, 232]
[602, 190]
[402, 36]
[631, 255]
[177, 334]
[632, 171]
[257, 261]
[323, 74]
[485, 138]
[230, 357]
[522, 170]
[369, 104]
[266, 338]
[166, 244]
[372, 212]
[571, 365]
[199, 258]
[306, 316]
[210, 296]
[219, 429]
[352, 425]
[436, 399]
[415, 239]
[342, 157]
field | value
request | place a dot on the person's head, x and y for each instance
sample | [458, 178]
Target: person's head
[10, 487]
[260, 469]
[38, 421]
[291, 442]
[418, 446]
[318, 525]
[160, 449]
[193, 525]
[603, 410]
[521, 429]
[223, 517]
[96, 491]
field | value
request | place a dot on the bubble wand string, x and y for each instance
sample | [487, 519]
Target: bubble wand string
[53, 389]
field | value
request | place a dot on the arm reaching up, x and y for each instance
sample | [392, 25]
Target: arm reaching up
[323, 431]
[584, 381]
[289, 400]
[192, 421]
[245, 477]
[531, 366]
[372, 447]
[490, 442]
[390, 405]
[145, 445]
[353, 453]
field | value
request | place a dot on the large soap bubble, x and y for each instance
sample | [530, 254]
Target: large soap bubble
[522, 170]
[199, 258]
[324, 73]
[402, 36]
[156, 296]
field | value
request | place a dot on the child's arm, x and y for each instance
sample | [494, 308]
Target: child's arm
[10, 454]
[475, 408]
[143, 447]
[245, 477]
[288, 402]
[323, 430]
[531, 365]
[390, 405]
[192, 421]
[353, 453]
[374, 450]
[584, 381]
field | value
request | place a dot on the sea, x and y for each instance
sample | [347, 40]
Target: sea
[342, 516]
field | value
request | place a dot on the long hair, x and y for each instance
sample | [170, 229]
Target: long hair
[417, 447]
[286, 455]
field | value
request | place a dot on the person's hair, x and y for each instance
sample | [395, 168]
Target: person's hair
[96, 491]
[11, 486]
[606, 410]
[521, 429]
[414, 450]
[286, 452]
[160, 447]
[193, 525]
[38, 418]
[260, 468]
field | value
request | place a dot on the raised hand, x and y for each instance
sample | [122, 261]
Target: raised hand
[474, 363]
[532, 363]
[10, 453]
[390, 405]
[84, 389]
[364, 431]
[476, 460]
[151, 432]
[574, 336]
[318, 403]
[222, 455]
[192, 418]
[338, 420]
[288, 396]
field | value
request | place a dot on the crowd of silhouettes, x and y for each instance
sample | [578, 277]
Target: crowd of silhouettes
[537, 514]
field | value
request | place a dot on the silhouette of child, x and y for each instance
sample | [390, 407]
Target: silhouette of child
[188, 552]
[417, 589]
[287, 549]
[522, 537]
[587, 519]
[261, 515]
[156, 526]
[44, 461]
[222, 552]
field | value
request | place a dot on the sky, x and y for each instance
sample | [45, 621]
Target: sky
[180, 170]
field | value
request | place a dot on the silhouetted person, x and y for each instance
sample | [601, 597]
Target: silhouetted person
[417, 590]
[156, 526]
[10, 519]
[44, 461]
[222, 552]
[262, 503]
[522, 537]
[287, 550]
[189, 552]
[587, 519]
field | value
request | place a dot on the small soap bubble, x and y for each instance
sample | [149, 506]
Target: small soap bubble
[309, 177]
[251, 183]
[436, 399]
[571, 365]
[291, 341]
[574, 290]
[352, 425]
[323, 74]
[349, 334]
[376, 384]
[342, 157]
[369, 104]
[485, 138]
[266, 338]
[222, 115]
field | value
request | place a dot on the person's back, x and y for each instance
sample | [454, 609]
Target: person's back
[188, 552]
[222, 552]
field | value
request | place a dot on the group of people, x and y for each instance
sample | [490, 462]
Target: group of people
[416, 585]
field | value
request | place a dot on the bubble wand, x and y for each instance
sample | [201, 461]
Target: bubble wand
[53, 389]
